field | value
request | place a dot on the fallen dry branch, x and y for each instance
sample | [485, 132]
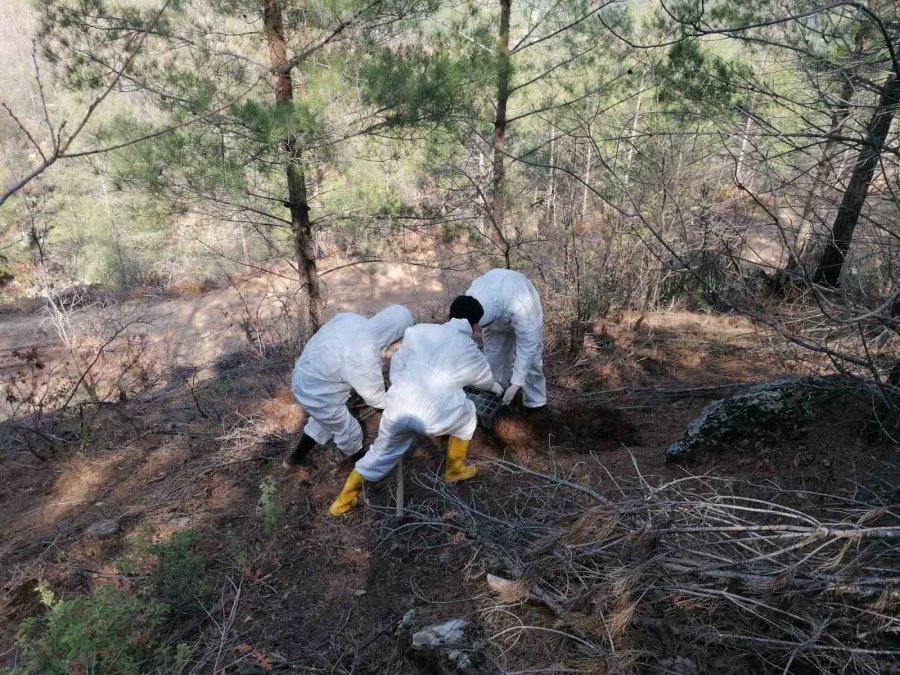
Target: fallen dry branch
[719, 574]
[623, 393]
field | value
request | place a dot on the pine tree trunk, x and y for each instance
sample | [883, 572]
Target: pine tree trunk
[551, 188]
[498, 180]
[304, 244]
[745, 142]
[245, 247]
[587, 168]
[634, 130]
[806, 245]
[832, 261]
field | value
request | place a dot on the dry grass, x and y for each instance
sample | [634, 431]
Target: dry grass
[721, 574]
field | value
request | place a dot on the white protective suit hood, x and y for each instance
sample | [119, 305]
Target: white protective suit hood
[390, 324]
[490, 311]
[345, 355]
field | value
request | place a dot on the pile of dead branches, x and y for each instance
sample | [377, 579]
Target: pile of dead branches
[694, 575]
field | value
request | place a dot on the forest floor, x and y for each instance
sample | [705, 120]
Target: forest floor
[289, 588]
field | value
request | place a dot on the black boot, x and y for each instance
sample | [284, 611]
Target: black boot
[358, 455]
[298, 456]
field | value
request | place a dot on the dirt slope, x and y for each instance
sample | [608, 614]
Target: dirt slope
[202, 327]
[322, 594]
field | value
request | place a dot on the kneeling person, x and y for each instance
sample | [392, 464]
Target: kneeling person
[343, 356]
[426, 398]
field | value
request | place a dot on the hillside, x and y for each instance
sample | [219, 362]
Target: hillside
[278, 585]
[685, 216]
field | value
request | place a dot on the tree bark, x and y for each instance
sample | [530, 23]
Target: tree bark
[304, 245]
[634, 130]
[551, 188]
[745, 141]
[497, 213]
[806, 244]
[832, 261]
[587, 165]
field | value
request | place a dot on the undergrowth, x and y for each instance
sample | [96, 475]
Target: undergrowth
[113, 631]
[178, 577]
[268, 510]
[109, 631]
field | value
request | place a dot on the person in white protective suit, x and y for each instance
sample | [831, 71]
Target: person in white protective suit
[343, 356]
[512, 330]
[426, 397]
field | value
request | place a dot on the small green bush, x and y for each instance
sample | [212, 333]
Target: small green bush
[178, 577]
[268, 509]
[137, 560]
[109, 632]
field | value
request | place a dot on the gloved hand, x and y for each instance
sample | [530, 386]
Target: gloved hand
[510, 394]
[497, 389]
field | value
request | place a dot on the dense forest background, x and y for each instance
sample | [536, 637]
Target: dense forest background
[629, 154]
[706, 194]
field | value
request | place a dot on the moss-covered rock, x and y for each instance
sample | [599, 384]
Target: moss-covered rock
[761, 406]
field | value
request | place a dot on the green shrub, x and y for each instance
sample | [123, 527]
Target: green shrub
[109, 632]
[137, 560]
[268, 509]
[178, 577]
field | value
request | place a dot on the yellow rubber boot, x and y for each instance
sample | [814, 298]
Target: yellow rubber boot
[456, 469]
[349, 497]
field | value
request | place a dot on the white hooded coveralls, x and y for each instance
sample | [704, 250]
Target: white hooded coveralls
[513, 325]
[345, 355]
[426, 397]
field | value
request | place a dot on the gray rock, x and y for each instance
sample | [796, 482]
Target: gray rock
[757, 407]
[447, 634]
[103, 528]
[180, 522]
[408, 620]
[448, 647]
